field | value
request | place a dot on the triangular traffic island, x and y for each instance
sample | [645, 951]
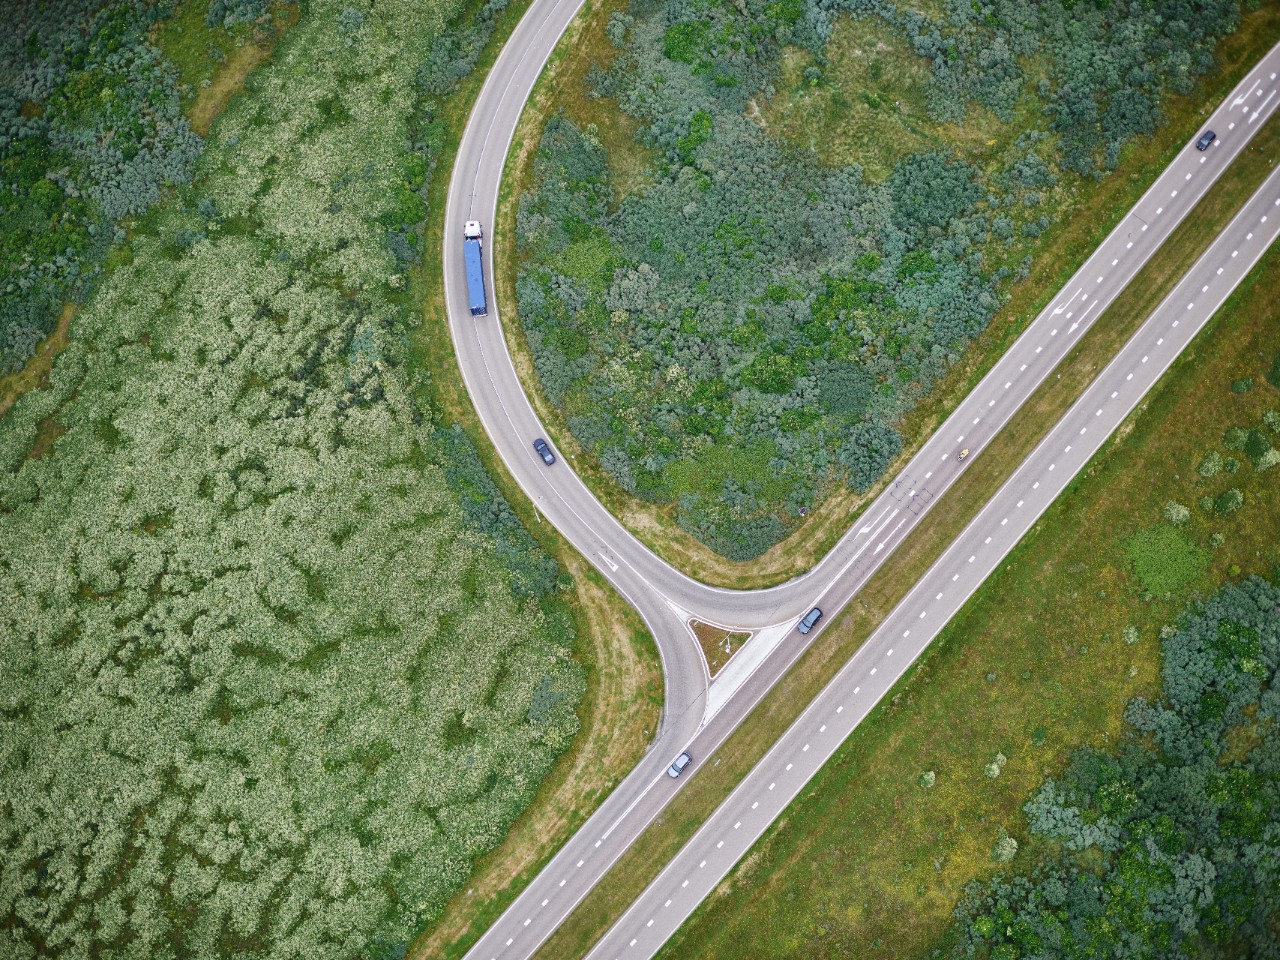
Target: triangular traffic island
[718, 643]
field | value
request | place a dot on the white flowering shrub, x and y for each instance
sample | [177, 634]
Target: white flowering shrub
[1005, 849]
[1130, 635]
[996, 765]
[269, 688]
[1176, 513]
[1210, 464]
[928, 779]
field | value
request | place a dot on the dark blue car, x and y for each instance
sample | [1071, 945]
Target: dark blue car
[808, 620]
[544, 451]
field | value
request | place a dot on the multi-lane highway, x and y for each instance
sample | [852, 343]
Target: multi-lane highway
[664, 596]
[940, 593]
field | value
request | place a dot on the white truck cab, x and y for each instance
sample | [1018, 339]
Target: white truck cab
[472, 230]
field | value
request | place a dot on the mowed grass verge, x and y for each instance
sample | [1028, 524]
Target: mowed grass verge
[623, 702]
[909, 562]
[1094, 208]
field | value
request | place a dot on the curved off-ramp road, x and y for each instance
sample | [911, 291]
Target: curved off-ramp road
[699, 714]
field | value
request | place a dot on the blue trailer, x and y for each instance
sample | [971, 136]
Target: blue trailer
[474, 254]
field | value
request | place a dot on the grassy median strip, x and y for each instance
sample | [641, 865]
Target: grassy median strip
[1095, 208]
[620, 711]
[713, 781]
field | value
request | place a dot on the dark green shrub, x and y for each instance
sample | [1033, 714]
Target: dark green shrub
[1229, 501]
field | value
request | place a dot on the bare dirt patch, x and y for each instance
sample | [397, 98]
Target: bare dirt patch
[36, 372]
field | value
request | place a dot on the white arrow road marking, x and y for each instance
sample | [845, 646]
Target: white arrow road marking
[890, 536]
[1244, 96]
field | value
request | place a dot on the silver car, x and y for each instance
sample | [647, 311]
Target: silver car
[678, 765]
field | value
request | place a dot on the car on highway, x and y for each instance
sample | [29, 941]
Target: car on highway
[808, 620]
[544, 451]
[1206, 138]
[678, 765]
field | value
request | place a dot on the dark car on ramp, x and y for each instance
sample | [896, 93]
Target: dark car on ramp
[808, 620]
[1206, 138]
[544, 451]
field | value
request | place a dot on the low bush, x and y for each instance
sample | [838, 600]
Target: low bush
[1210, 464]
[1229, 501]
[1176, 513]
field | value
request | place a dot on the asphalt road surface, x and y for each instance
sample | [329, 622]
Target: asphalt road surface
[664, 596]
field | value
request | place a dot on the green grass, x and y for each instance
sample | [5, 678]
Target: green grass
[962, 502]
[1164, 558]
[871, 105]
[870, 861]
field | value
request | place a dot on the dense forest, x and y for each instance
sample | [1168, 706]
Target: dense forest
[277, 662]
[1168, 847]
[745, 328]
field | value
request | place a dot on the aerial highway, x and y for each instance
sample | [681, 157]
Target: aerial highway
[765, 792]
[698, 713]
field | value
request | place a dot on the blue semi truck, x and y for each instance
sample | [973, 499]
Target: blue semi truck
[474, 253]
